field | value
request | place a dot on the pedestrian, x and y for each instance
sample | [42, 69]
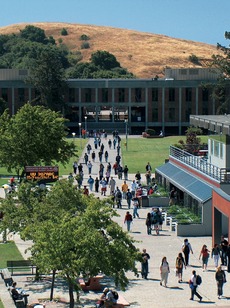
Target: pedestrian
[79, 180]
[93, 156]
[106, 156]
[89, 165]
[133, 188]
[96, 185]
[148, 223]
[139, 193]
[148, 178]
[138, 176]
[145, 264]
[100, 154]
[216, 254]
[124, 189]
[89, 148]
[118, 197]
[118, 159]
[112, 185]
[128, 220]
[110, 144]
[118, 149]
[114, 143]
[90, 182]
[107, 175]
[86, 158]
[115, 166]
[109, 167]
[95, 143]
[119, 172]
[193, 286]
[75, 167]
[156, 218]
[172, 196]
[126, 170]
[129, 198]
[135, 208]
[103, 186]
[180, 264]
[205, 256]
[164, 271]
[220, 280]
[223, 250]
[80, 168]
[85, 191]
[148, 168]
[186, 249]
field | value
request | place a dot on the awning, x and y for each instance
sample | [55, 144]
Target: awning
[194, 187]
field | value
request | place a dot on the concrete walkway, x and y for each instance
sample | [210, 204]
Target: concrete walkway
[143, 293]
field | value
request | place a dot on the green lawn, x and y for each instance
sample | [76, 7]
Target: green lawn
[9, 251]
[154, 150]
[1, 304]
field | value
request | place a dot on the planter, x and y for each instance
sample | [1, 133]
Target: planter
[158, 201]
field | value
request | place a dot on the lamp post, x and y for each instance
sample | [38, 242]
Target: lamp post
[80, 134]
[126, 134]
[74, 135]
[86, 123]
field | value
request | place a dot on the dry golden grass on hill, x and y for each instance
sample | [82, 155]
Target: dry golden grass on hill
[143, 54]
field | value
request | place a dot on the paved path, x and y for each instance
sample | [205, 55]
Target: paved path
[145, 293]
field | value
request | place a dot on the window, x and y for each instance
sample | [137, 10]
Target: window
[105, 96]
[154, 95]
[171, 114]
[137, 95]
[121, 95]
[88, 95]
[171, 95]
[21, 95]
[188, 111]
[155, 114]
[188, 94]
[205, 95]
[5, 94]
[205, 107]
[71, 95]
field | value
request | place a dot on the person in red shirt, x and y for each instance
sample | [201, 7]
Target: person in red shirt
[128, 220]
[85, 191]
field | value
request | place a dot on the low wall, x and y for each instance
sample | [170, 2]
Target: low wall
[158, 201]
[193, 230]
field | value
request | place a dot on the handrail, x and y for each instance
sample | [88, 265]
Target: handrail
[222, 175]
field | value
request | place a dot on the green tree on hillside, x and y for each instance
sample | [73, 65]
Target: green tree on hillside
[220, 90]
[104, 60]
[34, 136]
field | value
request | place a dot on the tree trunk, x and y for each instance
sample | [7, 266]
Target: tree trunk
[52, 285]
[71, 297]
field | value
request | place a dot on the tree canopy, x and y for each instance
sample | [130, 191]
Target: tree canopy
[221, 61]
[34, 136]
[72, 233]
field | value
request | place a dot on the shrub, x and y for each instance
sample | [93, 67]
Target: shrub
[64, 32]
[150, 132]
[60, 40]
[85, 45]
[84, 37]
[194, 59]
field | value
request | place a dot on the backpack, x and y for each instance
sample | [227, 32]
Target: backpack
[115, 295]
[119, 195]
[186, 249]
[198, 280]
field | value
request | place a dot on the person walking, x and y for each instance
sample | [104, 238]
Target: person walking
[118, 197]
[220, 280]
[89, 165]
[75, 167]
[186, 249]
[193, 286]
[180, 264]
[129, 198]
[90, 182]
[126, 170]
[133, 188]
[103, 183]
[128, 220]
[164, 271]
[112, 185]
[145, 264]
[148, 223]
[106, 156]
[135, 208]
[86, 158]
[205, 256]
[97, 184]
[124, 189]
[216, 254]
[110, 144]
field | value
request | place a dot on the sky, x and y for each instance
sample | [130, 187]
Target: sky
[197, 20]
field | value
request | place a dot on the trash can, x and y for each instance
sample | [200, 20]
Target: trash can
[145, 201]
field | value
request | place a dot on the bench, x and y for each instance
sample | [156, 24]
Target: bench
[121, 302]
[20, 265]
[6, 276]
[93, 283]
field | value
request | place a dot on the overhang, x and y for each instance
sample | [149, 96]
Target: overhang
[194, 187]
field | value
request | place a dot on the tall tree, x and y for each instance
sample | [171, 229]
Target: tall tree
[72, 233]
[34, 136]
[220, 91]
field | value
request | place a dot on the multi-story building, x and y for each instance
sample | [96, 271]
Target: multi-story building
[161, 104]
[203, 183]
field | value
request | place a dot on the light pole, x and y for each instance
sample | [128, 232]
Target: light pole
[126, 134]
[86, 123]
[80, 134]
[74, 135]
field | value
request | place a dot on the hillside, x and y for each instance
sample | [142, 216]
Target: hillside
[143, 54]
